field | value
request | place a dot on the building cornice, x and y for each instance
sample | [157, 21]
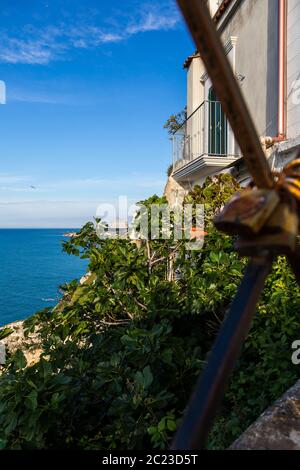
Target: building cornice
[228, 46]
[217, 17]
[221, 10]
[189, 59]
[203, 166]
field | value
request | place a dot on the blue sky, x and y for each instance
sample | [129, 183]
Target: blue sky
[89, 85]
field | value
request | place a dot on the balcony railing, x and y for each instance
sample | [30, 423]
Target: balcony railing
[205, 132]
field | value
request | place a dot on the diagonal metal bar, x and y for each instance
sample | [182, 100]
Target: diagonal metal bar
[203, 406]
[207, 40]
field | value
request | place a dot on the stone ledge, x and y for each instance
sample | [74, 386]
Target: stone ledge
[278, 428]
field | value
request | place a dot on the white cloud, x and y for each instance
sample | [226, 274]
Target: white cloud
[110, 37]
[153, 20]
[56, 213]
[14, 183]
[32, 47]
[42, 214]
[124, 185]
[118, 185]
[41, 46]
[24, 96]
[11, 179]
[69, 202]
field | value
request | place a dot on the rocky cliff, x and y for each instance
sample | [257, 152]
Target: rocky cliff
[16, 340]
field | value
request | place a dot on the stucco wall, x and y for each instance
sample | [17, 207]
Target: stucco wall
[255, 24]
[293, 69]
[195, 94]
[214, 5]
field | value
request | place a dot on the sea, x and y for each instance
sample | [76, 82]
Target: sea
[32, 268]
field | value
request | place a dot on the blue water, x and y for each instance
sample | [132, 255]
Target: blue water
[32, 267]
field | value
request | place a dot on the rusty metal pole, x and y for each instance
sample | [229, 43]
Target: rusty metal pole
[209, 390]
[208, 42]
[203, 406]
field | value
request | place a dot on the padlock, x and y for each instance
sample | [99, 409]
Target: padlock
[284, 219]
[289, 178]
[279, 234]
[292, 168]
[247, 212]
[292, 184]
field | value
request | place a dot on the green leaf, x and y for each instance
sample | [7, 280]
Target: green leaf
[31, 400]
[152, 430]
[162, 425]
[2, 444]
[171, 425]
[148, 377]
[12, 423]
[139, 378]
[46, 367]
[4, 332]
[19, 360]
[61, 379]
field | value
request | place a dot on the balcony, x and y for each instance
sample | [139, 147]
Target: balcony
[204, 144]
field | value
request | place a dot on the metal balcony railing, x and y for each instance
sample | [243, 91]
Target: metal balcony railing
[205, 132]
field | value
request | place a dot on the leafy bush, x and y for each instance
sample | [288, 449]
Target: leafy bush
[169, 170]
[5, 332]
[175, 121]
[122, 352]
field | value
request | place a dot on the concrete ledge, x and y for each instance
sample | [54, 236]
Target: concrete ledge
[203, 166]
[278, 428]
[289, 145]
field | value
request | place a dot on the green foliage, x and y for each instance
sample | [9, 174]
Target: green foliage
[265, 370]
[4, 332]
[122, 352]
[169, 170]
[213, 194]
[175, 121]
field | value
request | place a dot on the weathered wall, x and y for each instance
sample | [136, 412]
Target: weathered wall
[255, 24]
[195, 94]
[214, 5]
[293, 69]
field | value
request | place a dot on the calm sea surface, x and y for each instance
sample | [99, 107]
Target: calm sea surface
[32, 267]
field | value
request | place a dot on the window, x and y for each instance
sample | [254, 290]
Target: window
[217, 126]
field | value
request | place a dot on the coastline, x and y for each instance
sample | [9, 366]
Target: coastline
[34, 265]
[30, 345]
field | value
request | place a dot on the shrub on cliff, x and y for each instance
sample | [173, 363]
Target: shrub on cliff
[122, 352]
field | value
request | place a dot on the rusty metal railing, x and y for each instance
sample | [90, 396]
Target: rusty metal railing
[270, 228]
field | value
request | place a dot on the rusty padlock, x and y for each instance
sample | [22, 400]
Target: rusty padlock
[279, 234]
[247, 212]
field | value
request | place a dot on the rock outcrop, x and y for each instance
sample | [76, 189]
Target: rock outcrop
[174, 192]
[29, 345]
[278, 428]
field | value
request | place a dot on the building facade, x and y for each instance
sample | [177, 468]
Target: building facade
[262, 41]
